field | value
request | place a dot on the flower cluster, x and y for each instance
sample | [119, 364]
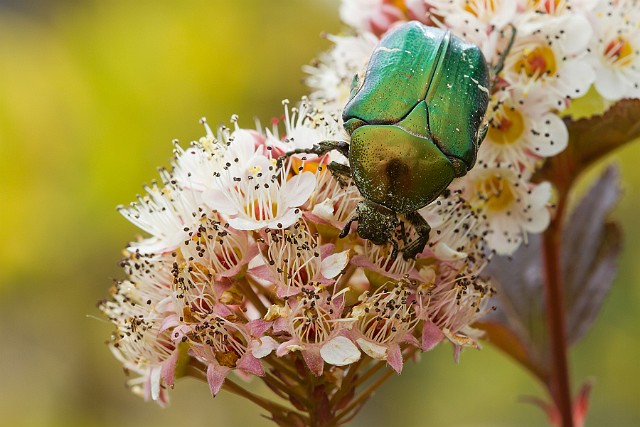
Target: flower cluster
[244, 265]
[244, 270]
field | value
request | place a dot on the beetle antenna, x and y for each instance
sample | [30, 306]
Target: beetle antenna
[500, 65]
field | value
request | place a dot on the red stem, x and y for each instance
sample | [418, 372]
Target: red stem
[559, 385]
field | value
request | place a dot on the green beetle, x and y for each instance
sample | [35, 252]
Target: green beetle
[416, 121]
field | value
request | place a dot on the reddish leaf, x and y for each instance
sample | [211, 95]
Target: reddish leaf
[589, 251]
[590, 139]
[506, 340]
[594, 137]
[517, 326]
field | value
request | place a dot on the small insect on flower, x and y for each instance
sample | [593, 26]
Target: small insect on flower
[415, 121]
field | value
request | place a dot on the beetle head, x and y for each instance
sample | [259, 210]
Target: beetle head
[375, 222]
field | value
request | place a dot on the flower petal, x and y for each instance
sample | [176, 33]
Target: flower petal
[334, 264]
[154, 380]
[314, 361]
[431, 335]
[215, 377]
[394, 357]
[251, 364]
[266, 346]
[374, 350]
[446, 253]
[217, 200]
[298, 189]
[340, 351]
[168, 368]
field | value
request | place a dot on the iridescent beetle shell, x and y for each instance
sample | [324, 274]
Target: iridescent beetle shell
[416, 116]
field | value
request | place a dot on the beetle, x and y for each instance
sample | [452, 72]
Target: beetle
[416, 119]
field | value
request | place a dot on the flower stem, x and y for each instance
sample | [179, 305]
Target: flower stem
[232, 387]
[282, 368]
[248, 291]
[360, 400]
[558, 385]
[348, 379]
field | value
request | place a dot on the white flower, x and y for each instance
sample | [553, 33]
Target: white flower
[305, 126]
[330, 79]
[556, 7]
[164, 213]
[521, 129]
[259, 195]
[378, 15]
[453, 301]
[385, 320]
[333, 203]
[139, 341]
[457, 230]
[378, 259]
[513, 207]
[616, 51]
[293, 259]
[317, 330]
[550, 55]
[224, 345]
[194, 167]
[480, 22]
[219, 249]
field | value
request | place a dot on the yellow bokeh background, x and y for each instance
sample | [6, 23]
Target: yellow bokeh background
[91, 95]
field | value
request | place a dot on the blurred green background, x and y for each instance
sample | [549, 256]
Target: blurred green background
[91, 95]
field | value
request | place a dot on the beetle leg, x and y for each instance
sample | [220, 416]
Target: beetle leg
[459, 167]
[319, 149]
[403, 233]
[422, 228]
[347, 227]
[394, 251]
[341, 147]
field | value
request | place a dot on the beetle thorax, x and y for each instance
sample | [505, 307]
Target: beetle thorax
[396, 169]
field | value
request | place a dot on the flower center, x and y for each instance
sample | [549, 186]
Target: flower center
[228, 346]
[400, 5]
[619, 51]
[549, 6]
[477, 7]
[293, 255]
[313, 326]
[264, 209]
[537, 62]
[497, 193]
[507, 127]
[387, 315]
[299, 166]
